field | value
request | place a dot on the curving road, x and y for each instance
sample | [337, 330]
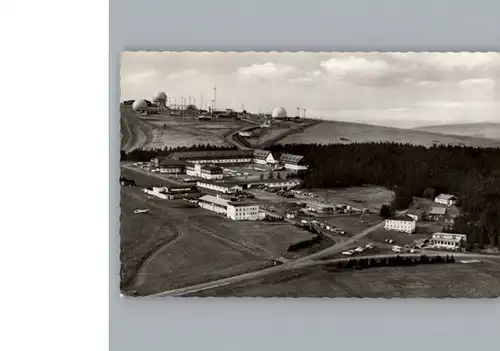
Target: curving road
[313, 260]
[141, 272]
[298, 263]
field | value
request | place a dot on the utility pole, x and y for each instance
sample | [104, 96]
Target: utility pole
[201, 101]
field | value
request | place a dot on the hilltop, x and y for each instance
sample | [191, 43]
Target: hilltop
[481, 130]
[328, 132]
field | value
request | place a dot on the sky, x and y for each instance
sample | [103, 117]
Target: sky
[404, 90]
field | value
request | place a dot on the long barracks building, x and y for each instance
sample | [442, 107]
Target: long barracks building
[214, 156]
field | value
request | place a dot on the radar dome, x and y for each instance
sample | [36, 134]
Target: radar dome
[161, 96]
[278, 112]
[139, 105]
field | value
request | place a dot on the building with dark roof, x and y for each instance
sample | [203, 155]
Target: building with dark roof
[293, 162]
[205, 171]
[405, 224]
[214, 156]
[167, 165]
[446, 199]
[436, 213]
[263, 157]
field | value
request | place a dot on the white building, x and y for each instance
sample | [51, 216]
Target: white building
[224, 188]
[245, 133]
[276, 183]
[293, 162]
[234, 210]
[210, 172]
[450, 241]
[263, 157]
[170, 192]
[446, 199]
[405, 224]
[415, 214]
[158, 192]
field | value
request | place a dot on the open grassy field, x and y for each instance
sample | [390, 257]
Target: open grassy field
[379, 236]
[425, 281]
[346, 133]
[178, 131]
[141, 234]
[160, 131]
[352, 224]
[480, 130]
[279, 202]
[269, 239]
[176, 251]
[358, 197]
[136, 132]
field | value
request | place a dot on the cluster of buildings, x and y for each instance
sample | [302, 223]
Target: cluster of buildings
[180, 162]
[407, 223]
[207, 168]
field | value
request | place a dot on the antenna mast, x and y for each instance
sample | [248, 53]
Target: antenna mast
[215, 97]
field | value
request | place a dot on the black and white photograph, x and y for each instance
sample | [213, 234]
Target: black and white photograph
[310, 174]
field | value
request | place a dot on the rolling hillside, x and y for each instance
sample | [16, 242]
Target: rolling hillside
[481, 130]
[345, 132]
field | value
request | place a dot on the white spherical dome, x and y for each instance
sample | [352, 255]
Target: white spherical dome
[161, 96]
[278, 112]
[140, 104]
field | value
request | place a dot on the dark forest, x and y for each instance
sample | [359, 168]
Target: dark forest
[473, 174]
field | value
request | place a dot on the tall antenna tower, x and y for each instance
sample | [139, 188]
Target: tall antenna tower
[215, 97]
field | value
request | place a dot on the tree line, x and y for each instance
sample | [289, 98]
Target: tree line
[472, 174]
[142, 155]
[362, 263]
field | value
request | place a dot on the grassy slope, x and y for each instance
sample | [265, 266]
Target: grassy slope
[484, 130]
[345, 132]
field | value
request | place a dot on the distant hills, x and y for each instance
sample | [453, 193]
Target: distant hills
[347, 132]
[481, 130]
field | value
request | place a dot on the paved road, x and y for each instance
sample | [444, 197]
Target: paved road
[231, 138]
[160, 177]
[293, 129]
[298, 263]
[141, 272]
